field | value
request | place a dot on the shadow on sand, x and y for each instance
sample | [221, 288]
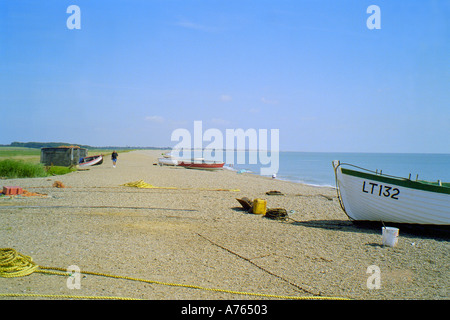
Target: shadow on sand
[441, 233]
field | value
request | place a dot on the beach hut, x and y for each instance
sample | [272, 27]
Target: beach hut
[62, 156]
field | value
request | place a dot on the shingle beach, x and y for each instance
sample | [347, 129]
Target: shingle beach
[191, 231]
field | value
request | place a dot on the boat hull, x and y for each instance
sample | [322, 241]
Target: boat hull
[168, 161]
[206, 165]
[91, 161]
[374, 197]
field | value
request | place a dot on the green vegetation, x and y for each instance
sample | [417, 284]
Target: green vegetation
[11, 169]
[20, 169]
[15, 151]
[20, 153]
[39, 145]
[22, 160]
[58, 170]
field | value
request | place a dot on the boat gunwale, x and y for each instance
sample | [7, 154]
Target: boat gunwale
[403, 182]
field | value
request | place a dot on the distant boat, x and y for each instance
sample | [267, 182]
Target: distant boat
[201, 164]
[365, 195]
[194, 163]
[91, 161]
[167, 161]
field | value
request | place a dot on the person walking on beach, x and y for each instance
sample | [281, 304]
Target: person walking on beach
[114, 156]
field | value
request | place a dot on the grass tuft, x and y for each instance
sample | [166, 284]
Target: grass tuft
[58, 170]
[12, 169]
[21, 169]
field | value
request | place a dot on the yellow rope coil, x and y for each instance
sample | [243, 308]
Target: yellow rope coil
[14, 264]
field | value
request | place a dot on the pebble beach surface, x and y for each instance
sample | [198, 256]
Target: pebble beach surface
[191, 231]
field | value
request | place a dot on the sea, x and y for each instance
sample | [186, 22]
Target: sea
[315, 168]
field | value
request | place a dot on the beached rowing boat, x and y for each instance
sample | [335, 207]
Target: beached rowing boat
[167, 161]
[201, 164]
[91, 161]
[366, 195]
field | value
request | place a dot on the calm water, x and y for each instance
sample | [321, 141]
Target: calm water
[316, 168]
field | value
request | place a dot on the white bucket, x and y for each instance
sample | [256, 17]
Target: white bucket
[390, 236]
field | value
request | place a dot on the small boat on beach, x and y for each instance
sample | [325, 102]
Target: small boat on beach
[91, 161]
[365, 195]
[201, 164]
[167, 161]
[194, 163]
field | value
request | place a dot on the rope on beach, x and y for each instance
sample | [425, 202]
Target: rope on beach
[93, 207]
[14, 264]
[145, 185]
[276, 214]
[62, 296]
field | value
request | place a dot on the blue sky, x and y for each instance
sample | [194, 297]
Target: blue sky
[137, 70]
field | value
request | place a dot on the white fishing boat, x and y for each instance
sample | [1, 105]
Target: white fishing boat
[168, 161]
[366, 195]
[91, 161]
